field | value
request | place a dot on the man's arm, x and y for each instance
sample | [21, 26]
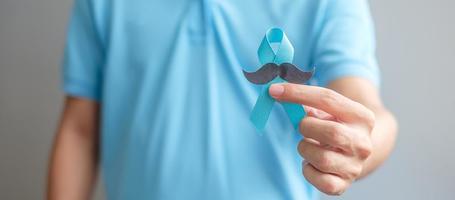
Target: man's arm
[348, 132]
[385, 129]
[74, 158]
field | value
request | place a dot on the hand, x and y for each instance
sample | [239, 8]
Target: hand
[337, 135]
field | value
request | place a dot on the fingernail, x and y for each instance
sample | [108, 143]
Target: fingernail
[276, 90]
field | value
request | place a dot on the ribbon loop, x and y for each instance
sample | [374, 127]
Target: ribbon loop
[283, 53]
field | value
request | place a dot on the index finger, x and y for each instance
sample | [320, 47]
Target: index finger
[321, 98]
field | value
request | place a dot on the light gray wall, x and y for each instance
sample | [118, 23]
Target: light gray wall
[416, 47]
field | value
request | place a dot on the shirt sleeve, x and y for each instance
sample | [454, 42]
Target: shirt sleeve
[83, 57]
[345, 44]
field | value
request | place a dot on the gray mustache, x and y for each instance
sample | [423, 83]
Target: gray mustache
[286, 71]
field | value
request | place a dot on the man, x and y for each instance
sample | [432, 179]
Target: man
[156, 97]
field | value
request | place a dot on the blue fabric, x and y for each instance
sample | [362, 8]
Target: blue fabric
[175, 104]
[284, 53]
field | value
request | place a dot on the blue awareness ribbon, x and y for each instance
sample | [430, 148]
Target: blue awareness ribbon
[284, 54]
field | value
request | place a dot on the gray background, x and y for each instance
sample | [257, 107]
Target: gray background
[416, 47]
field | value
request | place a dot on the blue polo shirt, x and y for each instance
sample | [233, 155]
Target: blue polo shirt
[175, 104]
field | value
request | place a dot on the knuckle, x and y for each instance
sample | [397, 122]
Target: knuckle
[364, 153]
[364, 148]
[303, 124]
[370, 119]
[305, 169]
[325, 161]
[301, 147]
[336, 132]
[354, 172]
[329, 97]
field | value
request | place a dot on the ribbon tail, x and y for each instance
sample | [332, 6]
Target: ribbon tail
[262, 109]
[295, 113]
